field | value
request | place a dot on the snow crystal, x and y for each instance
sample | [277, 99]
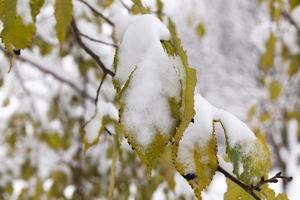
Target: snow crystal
[153, 81]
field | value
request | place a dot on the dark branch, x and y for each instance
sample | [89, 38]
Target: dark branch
[252, 188]
[125, 6]
[273, 179]
[96, 101]
[98, 41]
[97, 59]
[96, 12]
[245, 187]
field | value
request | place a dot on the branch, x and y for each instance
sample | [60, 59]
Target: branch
[96, 12]
[252, 188]
[96, 101]
[245, 187]
[55, 76]
[97, 59]
[98, 41]
[125, 6]
[273, 179]
[291, 20]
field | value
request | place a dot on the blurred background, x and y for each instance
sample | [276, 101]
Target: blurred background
[247, 56]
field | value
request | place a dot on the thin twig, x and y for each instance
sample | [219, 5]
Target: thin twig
[125, 6]
[96, 102]
[97, 59]
[55, 76]
[98, 41]
[273, 179]
[96, 12]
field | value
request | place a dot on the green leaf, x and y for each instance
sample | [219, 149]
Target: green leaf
[35, 6]
[28, 170]
[63, 16]
[252, 158]
[267, 59]
[275, 89]
[15, 34]
[200, 30]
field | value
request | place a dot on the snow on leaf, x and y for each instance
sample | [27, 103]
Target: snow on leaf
[147, 85]
[63, 16]
[249, 155]
[197, 148]
[35, 6]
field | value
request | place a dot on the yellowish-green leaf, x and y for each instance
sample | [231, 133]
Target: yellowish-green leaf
[252, 158]
[35, 7]
[265, 116]
[139, 8]
[63, 16]
[267, 59]
[294, 3]
[275, 89]
[251, 112]
[200, 30]
[235, 192]
[294, 66]
[15, 34]
[206, 163]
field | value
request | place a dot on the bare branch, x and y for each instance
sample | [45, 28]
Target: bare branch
[98, 41]
[96, 101]
[125, 6]
[97, 59]
[96, 12]
[273, 179]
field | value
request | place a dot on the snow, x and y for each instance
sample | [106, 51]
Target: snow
[197, 134]
[236, 130]
[153, 81]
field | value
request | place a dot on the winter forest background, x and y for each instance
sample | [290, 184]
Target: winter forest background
[247, 57]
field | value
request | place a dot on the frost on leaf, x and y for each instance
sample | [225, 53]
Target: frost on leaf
[147, 83]
[197, 148]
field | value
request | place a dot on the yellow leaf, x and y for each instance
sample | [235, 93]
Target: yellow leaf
[200, 30]
[275, 89]
[235, 192]
[294, 66]
[63, 16]
[267, 58]
[35, 7]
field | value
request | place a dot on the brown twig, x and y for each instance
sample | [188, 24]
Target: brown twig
[96, 12]
[98, 41]
[125, 6]
[273, 179]
[96, 58]
[245, 187]
[252, 188]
